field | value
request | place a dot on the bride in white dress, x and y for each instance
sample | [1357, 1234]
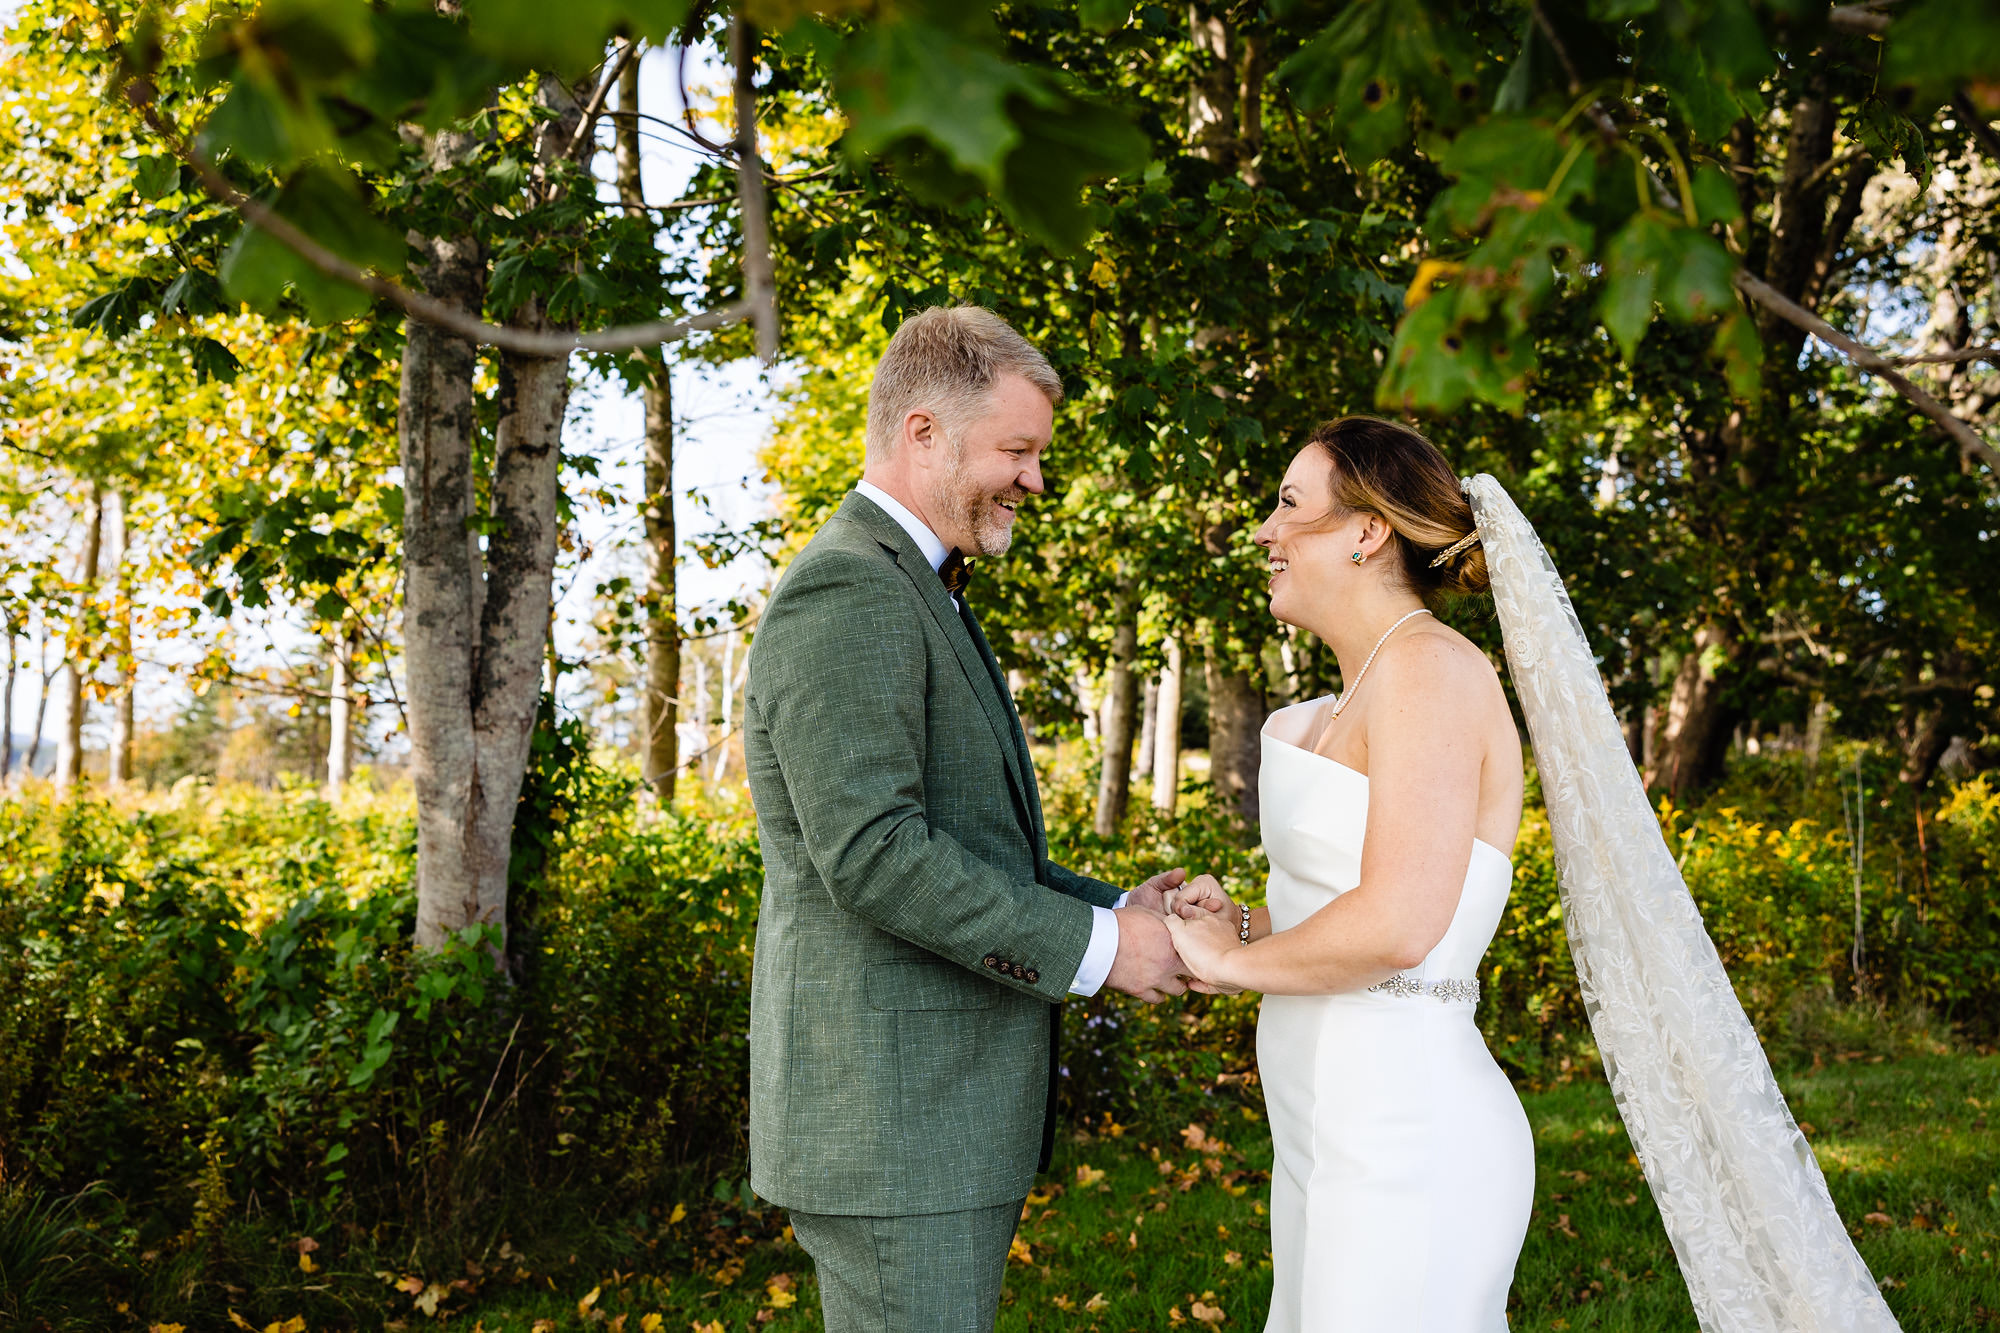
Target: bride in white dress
[1404, 1172]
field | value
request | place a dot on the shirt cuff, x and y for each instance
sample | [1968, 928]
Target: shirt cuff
[1103, 950]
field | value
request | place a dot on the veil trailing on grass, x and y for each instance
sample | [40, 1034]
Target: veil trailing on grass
[1759, 1242]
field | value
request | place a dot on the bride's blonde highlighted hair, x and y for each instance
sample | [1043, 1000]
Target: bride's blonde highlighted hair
[1386, 469]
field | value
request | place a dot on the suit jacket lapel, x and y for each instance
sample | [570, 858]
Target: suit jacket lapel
[1016, 734]
[972, 657]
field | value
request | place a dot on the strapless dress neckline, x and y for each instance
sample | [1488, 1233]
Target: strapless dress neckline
[1359, 776]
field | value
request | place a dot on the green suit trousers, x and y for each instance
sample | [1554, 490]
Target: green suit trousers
[927, 1273]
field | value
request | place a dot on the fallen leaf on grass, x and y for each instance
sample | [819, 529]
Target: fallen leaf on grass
[240, 1322]
[1087, 1175]
[1019, 1252]
[589, 1299]
[1195, 1137]
[713, 1326]
[1562, 1225]
[166, 1328]
[650, 1323]
[1174, 1315]
[1211, 1315]
[1096, 1303]
[1062, 1302]
[1233, 1259]
[1879, 1219]
[678, 1216]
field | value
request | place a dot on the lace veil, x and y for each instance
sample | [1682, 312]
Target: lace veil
[1759, 1242]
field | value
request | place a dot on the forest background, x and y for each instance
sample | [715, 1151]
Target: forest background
[398, 916]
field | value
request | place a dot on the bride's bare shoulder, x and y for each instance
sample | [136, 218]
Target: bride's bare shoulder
[1432, 659]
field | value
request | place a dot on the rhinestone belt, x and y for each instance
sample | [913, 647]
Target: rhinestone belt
[1451, 988]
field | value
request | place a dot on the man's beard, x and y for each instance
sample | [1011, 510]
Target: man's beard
[970, 507]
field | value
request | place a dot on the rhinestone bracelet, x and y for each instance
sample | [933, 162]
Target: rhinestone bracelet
[1243, 932]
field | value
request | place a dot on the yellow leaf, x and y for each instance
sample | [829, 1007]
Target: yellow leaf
[781, 1300]
[240, 1322]
[650, 1323]
[1233, 1259]
[1096, 1303]
[1174, 1315]
[679, 1215]
[1429, 274]
[589, 1299]
[542, 1326]
[1087, 1175]
[1019, 1252]
[1206, 1313]
[296, 1324]
[306, 1264]
[1062, 1302]
[166, 1328]
[712, 1327]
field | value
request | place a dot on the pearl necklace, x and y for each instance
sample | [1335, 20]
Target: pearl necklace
[1348, 693]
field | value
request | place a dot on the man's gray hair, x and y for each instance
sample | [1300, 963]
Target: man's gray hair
[945, 361]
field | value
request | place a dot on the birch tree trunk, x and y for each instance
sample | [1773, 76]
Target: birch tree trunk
[476, 622]
[69, 746]
[1149, 722]
[340, 719]
[118, 759]
[41, 700]
[1167, 733]
[7, 709]
[1121, 704]
[659, 752]
[1235, 714]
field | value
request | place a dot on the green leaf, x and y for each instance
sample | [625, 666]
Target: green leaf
[330, 606]
[213, 361]
[1633, 261]
[1742, 353]
[156, 175]
[1700, 277]
[1938, 46]
[906, 79]
[258, 269]
[118, 311]
[1714, 196]
[1105, 15]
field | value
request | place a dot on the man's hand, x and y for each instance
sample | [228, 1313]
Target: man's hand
[1203, 895]
[1146, 966]
[1152, 895]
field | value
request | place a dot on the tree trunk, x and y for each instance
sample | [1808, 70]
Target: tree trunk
[1167, 732]
[1692, 741]
[118, 759]
[41, 701]
[340, 719]
[69, 746]
[1149, 729]
[1235, 716]
[1114, 784]
[659, 744]
[7, 709]
[475, 626]
[1929, 735]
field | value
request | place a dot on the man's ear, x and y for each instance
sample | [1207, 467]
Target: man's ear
[920, 431]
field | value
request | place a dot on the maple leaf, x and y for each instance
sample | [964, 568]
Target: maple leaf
[1195, 1137]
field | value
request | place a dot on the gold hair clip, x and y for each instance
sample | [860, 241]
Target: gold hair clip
[1461, 544]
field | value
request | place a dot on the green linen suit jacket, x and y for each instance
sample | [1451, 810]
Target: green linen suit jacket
[914, 939]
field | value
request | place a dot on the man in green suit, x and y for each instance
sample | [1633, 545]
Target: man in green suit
[915, 942]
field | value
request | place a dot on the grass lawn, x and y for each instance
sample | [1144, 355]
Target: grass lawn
[1135, 1236]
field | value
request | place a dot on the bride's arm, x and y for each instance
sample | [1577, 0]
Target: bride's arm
[1425, 751]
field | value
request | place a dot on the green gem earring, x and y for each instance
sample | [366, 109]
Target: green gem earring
[1357, 557]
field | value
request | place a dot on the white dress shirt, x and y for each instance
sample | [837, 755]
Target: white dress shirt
[1103, 948]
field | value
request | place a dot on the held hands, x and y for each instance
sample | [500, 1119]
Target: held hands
[1146, 965]
[1203, 924]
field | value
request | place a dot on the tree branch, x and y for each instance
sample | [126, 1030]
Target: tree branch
[417, 305]
[1857, 20]
[1764, 294]
[586, 127]
[759, 289]
[1983, 353]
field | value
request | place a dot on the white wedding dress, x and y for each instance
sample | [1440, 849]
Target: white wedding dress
[1404, 1168]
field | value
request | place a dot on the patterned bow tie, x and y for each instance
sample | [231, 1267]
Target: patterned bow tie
[956, 571]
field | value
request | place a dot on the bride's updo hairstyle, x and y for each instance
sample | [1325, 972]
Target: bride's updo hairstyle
[1386, 469]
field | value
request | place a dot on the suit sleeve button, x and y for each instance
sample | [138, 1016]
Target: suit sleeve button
[992, 961]
[1020, 973]
[1033, 976]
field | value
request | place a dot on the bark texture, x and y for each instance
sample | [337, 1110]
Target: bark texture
[118, 757]
[69, 745]
[1167, 733]
[1114, 783]
[340, 719]
[1235, 716]
[659, 752]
